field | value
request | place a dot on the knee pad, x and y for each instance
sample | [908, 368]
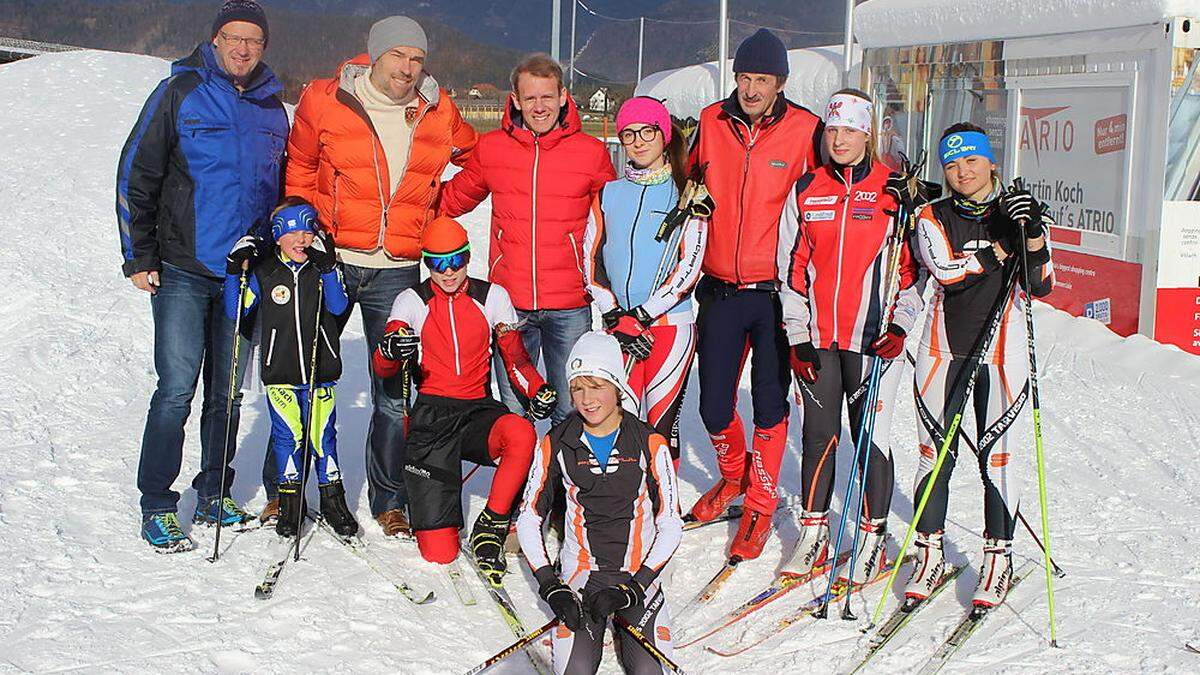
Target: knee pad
[438, 546]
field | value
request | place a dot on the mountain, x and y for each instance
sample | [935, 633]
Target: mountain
[303, 45]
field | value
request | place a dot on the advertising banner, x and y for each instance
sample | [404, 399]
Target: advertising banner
[1177, 308]
[1072, 152]
[1098, 288]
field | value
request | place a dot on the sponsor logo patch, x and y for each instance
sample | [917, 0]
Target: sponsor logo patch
[777, 164]
[816, 216]
[281, 294]
[816, 201]
[862, 213]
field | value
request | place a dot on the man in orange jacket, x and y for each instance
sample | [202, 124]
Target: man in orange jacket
[368, 148]
[753, 146]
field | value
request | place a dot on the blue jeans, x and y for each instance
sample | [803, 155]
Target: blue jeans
[191, 337]
[374, 291]
[550, 333]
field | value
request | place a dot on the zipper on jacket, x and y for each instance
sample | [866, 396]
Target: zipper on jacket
[454, 335]
[325, 337]
[837, 278]
[632, 253]
[271, 346]
[751, 137]
[575, 252]
[383, 201]
[337, 175]
[533, 218]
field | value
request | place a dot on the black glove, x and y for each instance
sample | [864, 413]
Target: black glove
[606, 601]
[806, 362]
[565, 603]
[246, 250]
[399, 345]
[912, 194]
[543, 402]
[1019, 206]
[321, 254]
[611, 317]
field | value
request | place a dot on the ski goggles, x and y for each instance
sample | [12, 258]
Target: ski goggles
[447, 262]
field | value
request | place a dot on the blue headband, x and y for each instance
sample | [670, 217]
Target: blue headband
[965, 144]
[295, 218]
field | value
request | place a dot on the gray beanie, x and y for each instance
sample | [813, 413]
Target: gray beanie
[395, 31]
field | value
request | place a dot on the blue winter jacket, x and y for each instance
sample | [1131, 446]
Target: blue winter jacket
[202, 167]
[627, 266]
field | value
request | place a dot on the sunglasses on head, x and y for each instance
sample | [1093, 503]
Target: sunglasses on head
[447, 263]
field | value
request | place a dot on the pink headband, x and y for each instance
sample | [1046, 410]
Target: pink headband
[847, 110]
[645, 110]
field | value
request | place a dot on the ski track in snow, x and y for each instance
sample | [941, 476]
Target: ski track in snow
[1121, 422]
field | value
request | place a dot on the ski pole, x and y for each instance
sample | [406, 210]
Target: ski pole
[515, 647]
[963, 387]
[866, 433]
[306, 428]
[233, 387]
[1037, 424]
[1058, 571]
[651, 648]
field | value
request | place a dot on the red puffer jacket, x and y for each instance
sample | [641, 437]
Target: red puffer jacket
[749, 171]
[542, 188]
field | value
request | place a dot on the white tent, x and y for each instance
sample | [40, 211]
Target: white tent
[815, 73]
[895, 23]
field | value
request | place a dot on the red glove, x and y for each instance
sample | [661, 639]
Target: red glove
[890, 344]
[805, 362]
[633, 337]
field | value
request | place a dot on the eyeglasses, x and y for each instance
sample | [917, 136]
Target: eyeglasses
[238, 40]
[645, 133]
[447, 263]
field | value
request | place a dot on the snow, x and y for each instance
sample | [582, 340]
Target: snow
[814, 74]
[893, 23]
[1121, 418]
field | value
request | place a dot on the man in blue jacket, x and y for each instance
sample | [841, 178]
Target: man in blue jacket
[201, 168]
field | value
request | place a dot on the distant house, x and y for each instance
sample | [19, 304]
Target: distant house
[484, 90]
[601, 101]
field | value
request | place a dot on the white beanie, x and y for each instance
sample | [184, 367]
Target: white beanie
[598, 354]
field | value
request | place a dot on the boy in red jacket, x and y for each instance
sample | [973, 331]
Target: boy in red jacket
[444, 330]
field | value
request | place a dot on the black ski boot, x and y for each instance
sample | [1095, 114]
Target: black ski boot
[291, 504]
[487, 544]
[334, 509]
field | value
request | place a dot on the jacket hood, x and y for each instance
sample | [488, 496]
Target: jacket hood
[568, 123]
[203, 62]
[427, 90]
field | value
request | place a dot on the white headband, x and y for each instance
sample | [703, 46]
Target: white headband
[847, 110]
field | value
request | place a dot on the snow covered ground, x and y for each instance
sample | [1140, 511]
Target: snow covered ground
[83, 593]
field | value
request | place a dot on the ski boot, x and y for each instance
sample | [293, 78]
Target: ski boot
[226, 510]
[714, 502]
[270, 513]
[751, 536]
[928, 572]
[995, 575]
[291, 504]
[163, 532]
[487, 544]
[812, 550]
[871, 556]
[335, 511]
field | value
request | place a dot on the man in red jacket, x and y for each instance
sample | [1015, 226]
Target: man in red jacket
[542, 172]
[753, 146]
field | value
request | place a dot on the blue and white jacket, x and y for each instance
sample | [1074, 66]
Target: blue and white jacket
[626, 266]
[202, 167]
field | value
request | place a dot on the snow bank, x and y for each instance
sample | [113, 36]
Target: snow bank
[815, 73]
[83, 593]
[891, 23]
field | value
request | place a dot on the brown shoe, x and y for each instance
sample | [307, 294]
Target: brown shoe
[394, 523]
[270, 513]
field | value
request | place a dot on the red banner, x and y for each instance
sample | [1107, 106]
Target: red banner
[1177, 318]
[1099, 288]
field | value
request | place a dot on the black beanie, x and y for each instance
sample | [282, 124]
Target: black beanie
[762, 52]
[241, 10]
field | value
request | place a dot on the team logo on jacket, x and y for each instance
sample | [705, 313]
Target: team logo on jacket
[818, 201]
[281, 294]
[777, 164]
[862, 213]
[864, 196]
[816, 216]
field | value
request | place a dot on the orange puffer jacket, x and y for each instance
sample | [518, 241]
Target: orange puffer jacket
[335, 161]
[749, 171]
[542, 189]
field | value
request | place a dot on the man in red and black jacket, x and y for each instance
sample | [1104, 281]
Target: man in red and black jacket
[752, 148]
[455, 322]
